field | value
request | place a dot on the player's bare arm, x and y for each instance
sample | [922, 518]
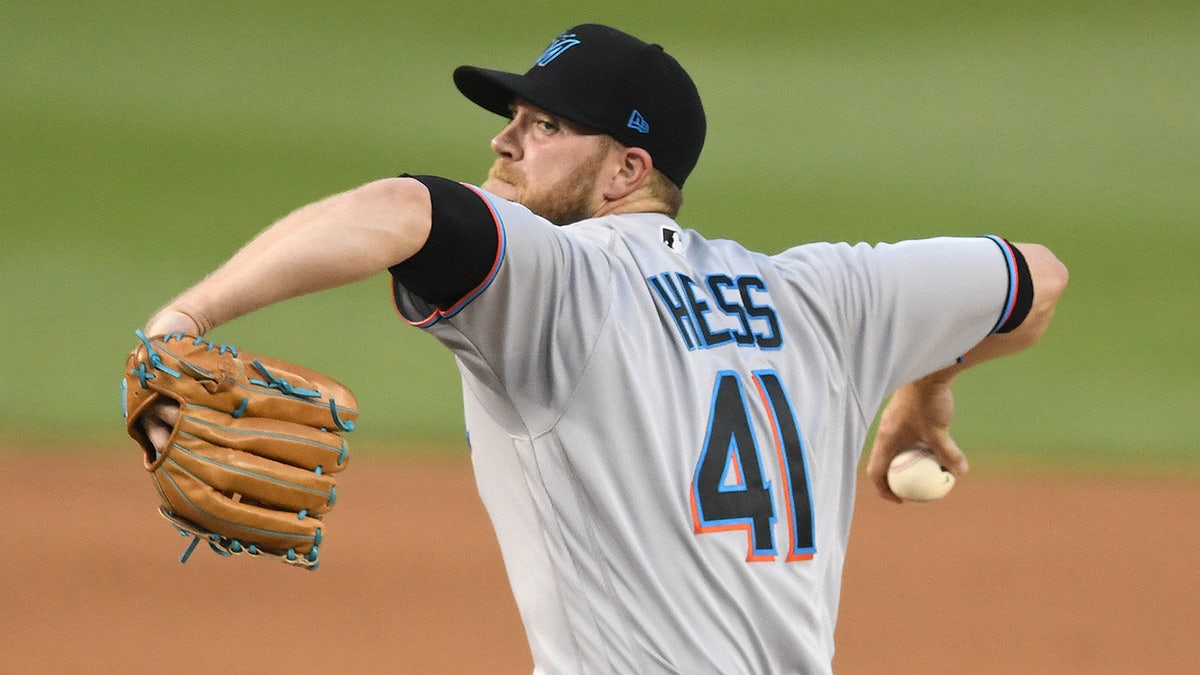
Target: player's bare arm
[335, 241]
[332, 242]
[921, 411]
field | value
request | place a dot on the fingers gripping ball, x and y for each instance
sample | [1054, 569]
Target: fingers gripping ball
[249, 466]
[916, 476]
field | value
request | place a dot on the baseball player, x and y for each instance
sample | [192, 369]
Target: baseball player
[665, 429]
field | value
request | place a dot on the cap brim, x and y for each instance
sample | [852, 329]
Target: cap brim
[495, 90]
[492, 90]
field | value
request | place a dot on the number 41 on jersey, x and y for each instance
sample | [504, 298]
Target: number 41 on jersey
[729, 491]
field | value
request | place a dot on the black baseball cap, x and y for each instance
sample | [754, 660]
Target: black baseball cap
[607, 81]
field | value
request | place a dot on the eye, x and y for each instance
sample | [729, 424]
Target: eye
[546, 125]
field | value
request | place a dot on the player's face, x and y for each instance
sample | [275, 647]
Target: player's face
[550, 165]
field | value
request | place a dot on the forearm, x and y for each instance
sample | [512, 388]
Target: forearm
[333, 242]
[921, 411]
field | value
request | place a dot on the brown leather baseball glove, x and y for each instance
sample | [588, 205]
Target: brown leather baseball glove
[249, 463]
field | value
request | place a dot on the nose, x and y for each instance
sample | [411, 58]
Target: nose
[505, 143]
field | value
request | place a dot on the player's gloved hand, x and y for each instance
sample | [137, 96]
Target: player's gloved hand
[243, 449]
[918, 412]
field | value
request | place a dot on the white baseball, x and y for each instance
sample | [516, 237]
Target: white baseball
[916, 476]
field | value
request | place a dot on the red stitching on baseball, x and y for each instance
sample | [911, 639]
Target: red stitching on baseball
[921, 455]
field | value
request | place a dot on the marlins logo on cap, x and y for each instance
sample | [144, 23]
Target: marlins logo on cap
[561, 44]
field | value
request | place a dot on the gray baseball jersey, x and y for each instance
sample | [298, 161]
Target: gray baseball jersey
[665, 429]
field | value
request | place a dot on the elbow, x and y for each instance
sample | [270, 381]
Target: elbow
[1050, 277]
[1063, 276]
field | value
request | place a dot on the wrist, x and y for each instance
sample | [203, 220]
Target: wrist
[173, 321]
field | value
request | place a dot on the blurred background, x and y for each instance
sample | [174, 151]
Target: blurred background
[142, 142]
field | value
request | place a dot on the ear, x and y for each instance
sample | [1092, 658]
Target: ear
[631, 169]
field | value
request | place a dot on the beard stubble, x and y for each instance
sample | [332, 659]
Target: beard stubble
[567, 200]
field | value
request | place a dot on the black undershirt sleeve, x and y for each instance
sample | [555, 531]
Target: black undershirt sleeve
[1023, 300]
[461, 248]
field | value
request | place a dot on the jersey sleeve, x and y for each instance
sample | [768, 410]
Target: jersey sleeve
[456, 261]
[522, 318]
[901, 311]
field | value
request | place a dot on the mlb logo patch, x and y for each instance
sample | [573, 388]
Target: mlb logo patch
[673, 239]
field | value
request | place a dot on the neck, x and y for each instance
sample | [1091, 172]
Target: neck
[633, 203]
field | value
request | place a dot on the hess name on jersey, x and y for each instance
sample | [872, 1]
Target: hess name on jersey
[719, 310]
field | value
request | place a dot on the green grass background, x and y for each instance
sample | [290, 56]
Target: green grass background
[142, 142]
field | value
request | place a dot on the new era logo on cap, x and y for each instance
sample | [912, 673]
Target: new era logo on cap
[638, 123]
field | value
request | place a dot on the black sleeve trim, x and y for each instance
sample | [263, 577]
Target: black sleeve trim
[1020, 289]
[461, 249]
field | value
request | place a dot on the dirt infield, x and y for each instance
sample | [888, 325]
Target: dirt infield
[1005, 575]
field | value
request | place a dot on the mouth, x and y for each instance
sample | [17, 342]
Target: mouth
[501, 182]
